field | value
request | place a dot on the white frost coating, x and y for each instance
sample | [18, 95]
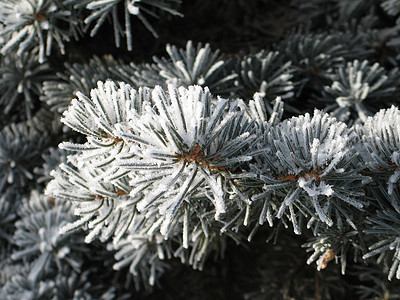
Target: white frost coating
[176, 106]
[308, 154]
[175, 146]
[169, 207]
[214, 68]
[392, 180]
[320, 212]
[314, 152]
[218, 195]
[312, 143]
[199, 61]
[215, 117]
[185, 230]
[338, 157]
[108, 106]
[157, 192]
[288, 201]
[396, 157]
[382, 141]
[74, 226]
[312, 189]
[132, 8]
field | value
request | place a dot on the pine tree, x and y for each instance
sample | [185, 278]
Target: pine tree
[185, 164]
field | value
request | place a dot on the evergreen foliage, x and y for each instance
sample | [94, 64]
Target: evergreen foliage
[268, 74]
[36, 22]
[58, 92]
[37, 235]
[9, 203]
[102, 10]
[196, 65]
[21, 81]
[356, 86]
[258, 164]
[20, 150]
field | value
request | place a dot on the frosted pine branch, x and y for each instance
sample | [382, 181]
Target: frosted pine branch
[196, 65]
[181, 150]
[29, 23]
[101, 10]
[268, 74]
[308, 160]
[59, 91]
[380, 148]
[21, 78]
[38, 239]
[174, 146]
[355, 87]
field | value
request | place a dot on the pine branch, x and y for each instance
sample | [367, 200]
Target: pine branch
[380, 148]
[103, 10]
[20, 149]
[38, 239]
[358, 87]
[307, 163]
[267, 73]
[196, 65]
[58, 92]
[29, 23]
[21, 78]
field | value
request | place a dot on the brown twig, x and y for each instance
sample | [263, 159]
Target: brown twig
[199, 157]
